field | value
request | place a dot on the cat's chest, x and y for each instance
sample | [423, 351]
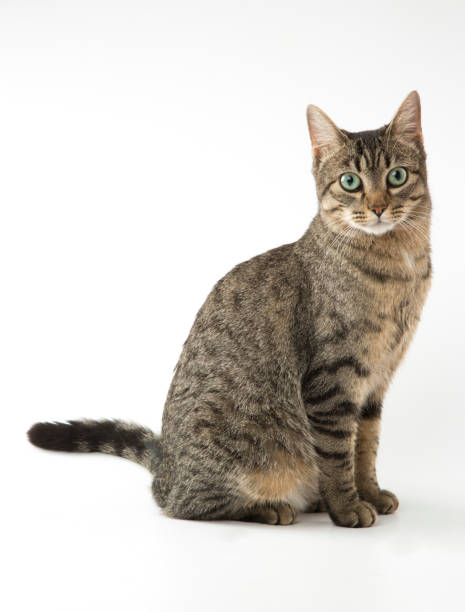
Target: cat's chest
[394, 317]
[372, 320]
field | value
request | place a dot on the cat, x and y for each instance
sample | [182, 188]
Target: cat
[276, 400]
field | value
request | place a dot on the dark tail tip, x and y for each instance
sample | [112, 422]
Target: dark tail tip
[52, 436]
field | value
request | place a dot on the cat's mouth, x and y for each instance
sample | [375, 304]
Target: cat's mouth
[378, 227]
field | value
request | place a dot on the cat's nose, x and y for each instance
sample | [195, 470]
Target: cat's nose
[378, 209]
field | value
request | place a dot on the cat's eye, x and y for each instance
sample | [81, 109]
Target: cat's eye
[397, 177]
[350, 181]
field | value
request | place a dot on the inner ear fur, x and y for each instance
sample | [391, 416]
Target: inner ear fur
[406, 124]
[324, 133]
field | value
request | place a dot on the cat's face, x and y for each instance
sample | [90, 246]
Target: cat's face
[370, 181]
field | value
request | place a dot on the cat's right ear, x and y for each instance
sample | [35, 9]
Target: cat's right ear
[325, 135]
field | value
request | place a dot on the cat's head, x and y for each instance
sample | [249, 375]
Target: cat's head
[373, 180]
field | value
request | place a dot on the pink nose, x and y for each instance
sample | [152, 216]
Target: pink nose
[378, 209]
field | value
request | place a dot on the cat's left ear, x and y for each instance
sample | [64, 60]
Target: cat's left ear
[406, 124]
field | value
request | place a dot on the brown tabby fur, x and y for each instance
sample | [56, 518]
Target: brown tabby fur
[276, 400]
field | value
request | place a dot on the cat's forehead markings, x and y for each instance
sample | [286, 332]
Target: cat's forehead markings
[363, 164]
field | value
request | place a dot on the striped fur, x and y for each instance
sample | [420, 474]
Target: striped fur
[118, 438]
[276, 400]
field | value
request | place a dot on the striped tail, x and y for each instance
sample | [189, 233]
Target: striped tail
[112, 437]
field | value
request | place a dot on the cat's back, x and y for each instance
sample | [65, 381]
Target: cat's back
[249, 308]
[244, 332]
[267, 278]
[239, 366]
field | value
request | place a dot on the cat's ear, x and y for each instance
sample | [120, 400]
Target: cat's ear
[406, 124]
[325, 135]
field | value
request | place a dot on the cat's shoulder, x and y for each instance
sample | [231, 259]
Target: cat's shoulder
[271, 266]
[273, 275]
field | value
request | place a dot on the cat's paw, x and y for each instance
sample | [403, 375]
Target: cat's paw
[361, 514]
[384, 501]
[275, 514]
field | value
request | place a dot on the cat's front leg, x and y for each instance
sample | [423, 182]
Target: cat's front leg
[334, 432]
[366, 451]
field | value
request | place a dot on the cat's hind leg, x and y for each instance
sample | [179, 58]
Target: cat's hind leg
[272, 514]
[208, 504]
[220, 506]
[272, 494]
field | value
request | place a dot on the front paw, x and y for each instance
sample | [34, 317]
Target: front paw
[360, 514]
[384, 501]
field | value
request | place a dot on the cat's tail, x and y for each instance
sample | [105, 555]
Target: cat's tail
[112, 437]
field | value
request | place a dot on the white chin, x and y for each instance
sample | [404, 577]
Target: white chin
[376, 228]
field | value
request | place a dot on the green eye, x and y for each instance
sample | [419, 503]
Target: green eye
[350, 181]
[397, 177]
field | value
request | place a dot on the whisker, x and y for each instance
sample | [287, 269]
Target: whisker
[414, 228]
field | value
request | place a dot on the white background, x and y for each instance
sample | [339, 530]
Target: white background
[145, 149]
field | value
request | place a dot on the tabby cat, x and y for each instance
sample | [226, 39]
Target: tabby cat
[276, 400]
